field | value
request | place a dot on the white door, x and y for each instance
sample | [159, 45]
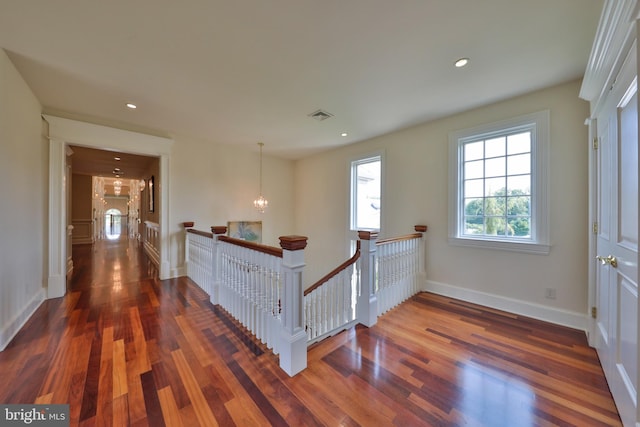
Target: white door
[617, 242]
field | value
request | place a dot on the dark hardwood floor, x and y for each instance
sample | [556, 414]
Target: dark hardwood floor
[124, 348]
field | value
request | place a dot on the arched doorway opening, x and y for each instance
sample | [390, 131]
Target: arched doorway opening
[113, 224]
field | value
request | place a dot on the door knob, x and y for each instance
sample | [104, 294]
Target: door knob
[609, 259]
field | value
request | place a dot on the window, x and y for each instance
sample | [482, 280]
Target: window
[498, 185]
[366, 184]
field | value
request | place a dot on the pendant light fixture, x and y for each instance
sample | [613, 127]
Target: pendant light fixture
[117, 187]
[261, 203]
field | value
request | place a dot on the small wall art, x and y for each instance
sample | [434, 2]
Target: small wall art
[250, 231]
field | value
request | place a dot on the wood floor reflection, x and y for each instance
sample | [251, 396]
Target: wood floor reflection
[124, 348]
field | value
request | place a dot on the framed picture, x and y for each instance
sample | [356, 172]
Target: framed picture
[151, 187]
[250, 231]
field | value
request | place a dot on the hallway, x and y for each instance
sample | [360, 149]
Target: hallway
[124, 348]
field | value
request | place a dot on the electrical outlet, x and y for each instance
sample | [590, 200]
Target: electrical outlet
[550, 293]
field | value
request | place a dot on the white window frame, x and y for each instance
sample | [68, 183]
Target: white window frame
[378, 155]
[538, 243]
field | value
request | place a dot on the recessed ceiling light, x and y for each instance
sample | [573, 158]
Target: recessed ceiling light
[117, 158]
[116, 169]
[132, 106]
[344, 134]
[461, 62]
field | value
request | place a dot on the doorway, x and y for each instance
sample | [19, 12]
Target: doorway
[62, 132]
[114, 223]
[615, 309]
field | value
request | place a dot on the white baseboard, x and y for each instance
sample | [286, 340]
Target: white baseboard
[178, 272]
[557, 316]
[11, 329]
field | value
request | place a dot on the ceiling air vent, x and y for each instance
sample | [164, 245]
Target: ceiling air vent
[320, 115]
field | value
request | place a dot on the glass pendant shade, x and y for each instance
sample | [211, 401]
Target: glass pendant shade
[117, 187]
[261, 204]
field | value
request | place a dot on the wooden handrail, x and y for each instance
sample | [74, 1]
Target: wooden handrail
[399, 238]
[270, 250]
[200, 233]
[335, 271]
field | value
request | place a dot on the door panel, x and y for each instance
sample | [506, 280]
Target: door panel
[604, 314]
[605, 292]
[628, 348]
[628, 172]
[617, 243]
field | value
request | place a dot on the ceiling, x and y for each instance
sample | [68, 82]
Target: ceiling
[239, 72]
[89, 161]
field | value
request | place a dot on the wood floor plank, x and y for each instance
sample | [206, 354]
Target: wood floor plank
[200, 405]
[285, 402]
[135, 395]
[121, 411]
[196, 341]
[104, 401]
[44, 399]
[153, 410]
[125, 348]
[170, 411]
[245, 413]
[119, 370]
[141, 358]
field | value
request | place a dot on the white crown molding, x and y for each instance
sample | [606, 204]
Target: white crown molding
[107, 138]
[614, 37]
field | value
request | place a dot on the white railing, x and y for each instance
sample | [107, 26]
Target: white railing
[250, 290]
[399, 270]
[151, 241]
[378, 277]
[261, 286]
[199, 257]
[330, 304]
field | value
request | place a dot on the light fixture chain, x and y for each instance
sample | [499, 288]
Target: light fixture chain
[260, 203]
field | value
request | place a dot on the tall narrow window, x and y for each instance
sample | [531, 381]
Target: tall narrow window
[499, 185]
[366, 184]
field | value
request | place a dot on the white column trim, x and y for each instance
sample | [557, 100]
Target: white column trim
[57, 277]
[165, 238]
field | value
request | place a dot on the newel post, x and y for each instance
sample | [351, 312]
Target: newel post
[293, 356]
[217, 230]
[187, 225]
[367, 305]
[422, 274]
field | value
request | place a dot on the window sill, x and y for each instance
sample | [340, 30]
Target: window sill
[523, 247]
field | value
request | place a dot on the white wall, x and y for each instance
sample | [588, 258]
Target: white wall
[23, 186]
[416, 192]
[212, 184]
